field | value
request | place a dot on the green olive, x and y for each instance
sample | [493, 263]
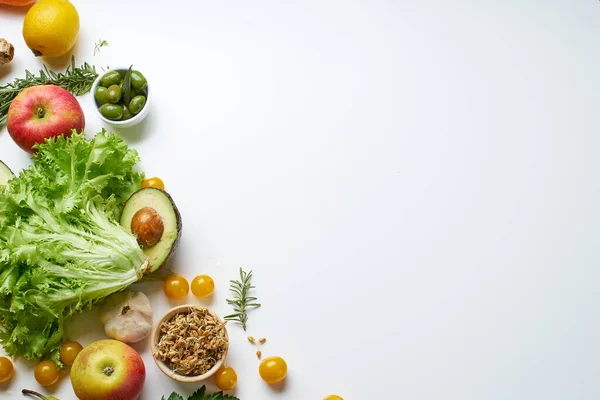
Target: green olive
[126, 114]
[138, 81]
[111, 78]
[136, 104]
[113, 112]
[100, 95]
[113, 93]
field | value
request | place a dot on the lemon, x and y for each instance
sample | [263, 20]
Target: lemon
[51, 27]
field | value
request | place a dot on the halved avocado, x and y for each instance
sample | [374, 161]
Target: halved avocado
[5, 174]
[151, 215]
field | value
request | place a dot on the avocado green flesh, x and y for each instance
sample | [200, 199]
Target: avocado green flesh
[5, 174]
[162, 203]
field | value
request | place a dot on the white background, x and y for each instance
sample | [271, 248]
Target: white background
[414, 184]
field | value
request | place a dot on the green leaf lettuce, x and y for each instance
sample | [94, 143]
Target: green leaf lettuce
[61, 246]
[201, 394]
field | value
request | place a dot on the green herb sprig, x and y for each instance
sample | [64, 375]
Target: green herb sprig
[97, 46]
[201, 394]
[127, 85]
[36, 394]
[77, 80]
[241, 301]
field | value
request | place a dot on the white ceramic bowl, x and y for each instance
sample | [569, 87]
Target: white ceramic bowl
[164, 367]
[127, 123]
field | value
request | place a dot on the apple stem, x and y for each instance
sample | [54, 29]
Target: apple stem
[40, 112]
[27, 391]
[108, 371]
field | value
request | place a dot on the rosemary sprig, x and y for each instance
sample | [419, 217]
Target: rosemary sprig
[77, 80]
[241, 301]
[97, 46]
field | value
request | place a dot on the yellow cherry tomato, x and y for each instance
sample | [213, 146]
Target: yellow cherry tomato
[203, 286]
[332, 397]
[176, 287]
[68, 351]
[226, 378]
[272, 369]
[6, 369]
[153, 182]
[46, 373]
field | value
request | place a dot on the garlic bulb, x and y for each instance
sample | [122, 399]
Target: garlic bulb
[127, 316]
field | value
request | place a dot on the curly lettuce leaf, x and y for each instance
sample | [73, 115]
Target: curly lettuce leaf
[61, 246]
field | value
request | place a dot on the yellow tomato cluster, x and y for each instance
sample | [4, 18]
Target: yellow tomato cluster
[272, 370]
[46, 373]
[177, 287]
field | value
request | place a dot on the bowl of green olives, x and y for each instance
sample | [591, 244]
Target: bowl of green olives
[121, 97]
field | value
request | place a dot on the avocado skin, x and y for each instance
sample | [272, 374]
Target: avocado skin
[179, 229]
[5, 173]
[6, 168]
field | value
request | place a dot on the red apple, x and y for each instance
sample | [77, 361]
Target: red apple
[108, 369]
[41, 112]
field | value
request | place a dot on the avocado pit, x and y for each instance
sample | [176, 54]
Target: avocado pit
[147, 226]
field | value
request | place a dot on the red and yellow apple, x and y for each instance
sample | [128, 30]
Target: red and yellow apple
[41, 112]
[108, 369]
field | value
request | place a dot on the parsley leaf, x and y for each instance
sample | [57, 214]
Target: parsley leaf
[201, 394]
[198, 394]
[173, 396]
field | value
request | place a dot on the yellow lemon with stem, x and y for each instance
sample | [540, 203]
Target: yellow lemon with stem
[51, 27]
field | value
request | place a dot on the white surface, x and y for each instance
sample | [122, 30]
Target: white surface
[415, 185]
